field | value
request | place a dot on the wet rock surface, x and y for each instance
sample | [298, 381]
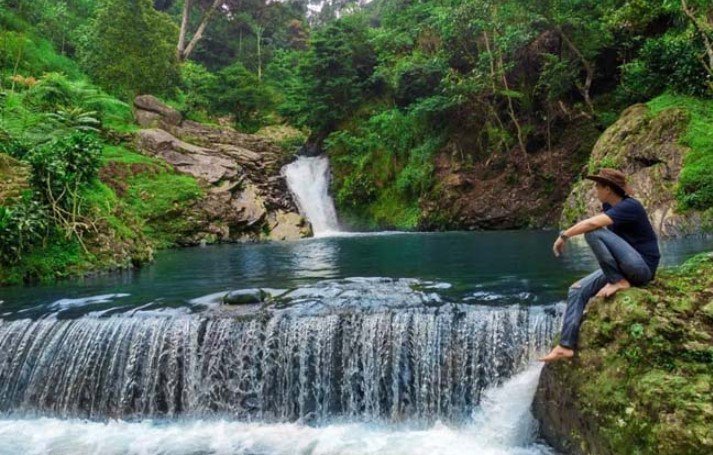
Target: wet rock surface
[641, 379]
[246, 195]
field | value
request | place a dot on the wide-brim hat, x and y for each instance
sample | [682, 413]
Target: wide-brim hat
[612, 177]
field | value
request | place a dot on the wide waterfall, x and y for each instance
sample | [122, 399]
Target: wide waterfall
[308, 180]
[430, 360]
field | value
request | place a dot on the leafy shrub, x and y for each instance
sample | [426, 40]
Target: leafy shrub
[21, 227]
[418, 80]
[199, 85]
[71, 100]
[131, 49]
[11, 145]
[669, 62]
[62, 167]
[240, 93]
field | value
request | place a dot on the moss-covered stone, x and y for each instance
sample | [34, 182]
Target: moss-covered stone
[641, 380]
[650, 143]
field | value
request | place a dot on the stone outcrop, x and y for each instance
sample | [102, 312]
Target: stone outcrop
[641, 379]
[646, 147]
[246, 196]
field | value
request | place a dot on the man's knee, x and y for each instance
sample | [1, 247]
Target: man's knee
[596, 233]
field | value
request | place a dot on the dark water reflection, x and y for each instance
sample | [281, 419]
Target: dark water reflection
[471, 262]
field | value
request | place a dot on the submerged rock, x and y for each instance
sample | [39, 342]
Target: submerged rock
[642, 378]
[245, 296]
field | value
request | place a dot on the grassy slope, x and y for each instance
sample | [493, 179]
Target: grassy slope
[642, 379]
[139, 201]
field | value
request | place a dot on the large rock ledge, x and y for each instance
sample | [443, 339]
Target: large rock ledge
[246, 196]
[647, 148]
[642, 379]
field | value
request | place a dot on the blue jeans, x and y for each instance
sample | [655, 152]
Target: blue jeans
[617, 260]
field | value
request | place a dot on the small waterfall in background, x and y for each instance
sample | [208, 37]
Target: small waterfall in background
[308, 180]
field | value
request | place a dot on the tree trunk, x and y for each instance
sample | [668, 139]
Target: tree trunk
[184, 28]
[588, 69]
[199, 32]
[259, 52]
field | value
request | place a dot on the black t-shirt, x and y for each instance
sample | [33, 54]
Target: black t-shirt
[632, 224]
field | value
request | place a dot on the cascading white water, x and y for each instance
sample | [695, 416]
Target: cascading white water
[349, 366]
[504, 426]
[308, 180]
[418, 364]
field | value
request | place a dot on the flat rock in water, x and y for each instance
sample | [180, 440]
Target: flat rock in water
[245, 296]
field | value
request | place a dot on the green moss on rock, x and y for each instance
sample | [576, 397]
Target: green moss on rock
[641, 380]
[666, 149]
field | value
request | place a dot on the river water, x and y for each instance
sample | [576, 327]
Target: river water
[366, 343]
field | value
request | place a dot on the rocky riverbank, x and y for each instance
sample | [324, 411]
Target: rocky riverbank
[246, 196]
[168, 182]
[641, 381]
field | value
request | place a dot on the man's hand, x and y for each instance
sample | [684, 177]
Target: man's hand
[558, 247]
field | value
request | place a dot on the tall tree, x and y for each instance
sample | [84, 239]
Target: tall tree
[184, 49]
[129, 48]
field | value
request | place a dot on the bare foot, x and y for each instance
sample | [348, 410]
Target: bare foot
[558, 353]
[611, 288]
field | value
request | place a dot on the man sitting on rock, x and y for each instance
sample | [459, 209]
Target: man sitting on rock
[624, 244]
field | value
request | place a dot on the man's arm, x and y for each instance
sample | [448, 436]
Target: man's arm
[590, 224]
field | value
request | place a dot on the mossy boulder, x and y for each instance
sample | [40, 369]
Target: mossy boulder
[647, 145]
[641, 380]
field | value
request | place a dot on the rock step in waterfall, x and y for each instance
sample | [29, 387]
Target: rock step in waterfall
[413, 364]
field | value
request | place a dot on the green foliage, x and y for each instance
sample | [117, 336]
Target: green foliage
[67, 119]
[415, 81]
[23, 52]
[130, 49]
[63, 167]
[58, 258]
[695, 185]
[670, 62]
[232, 91]
[22, 226]
[199, 86]
[282, 74]
[240, 93]
[55, 105]
[336, 74]
[383, 167]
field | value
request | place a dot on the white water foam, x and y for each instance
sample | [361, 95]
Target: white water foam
[502, 426]
[308, 180]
